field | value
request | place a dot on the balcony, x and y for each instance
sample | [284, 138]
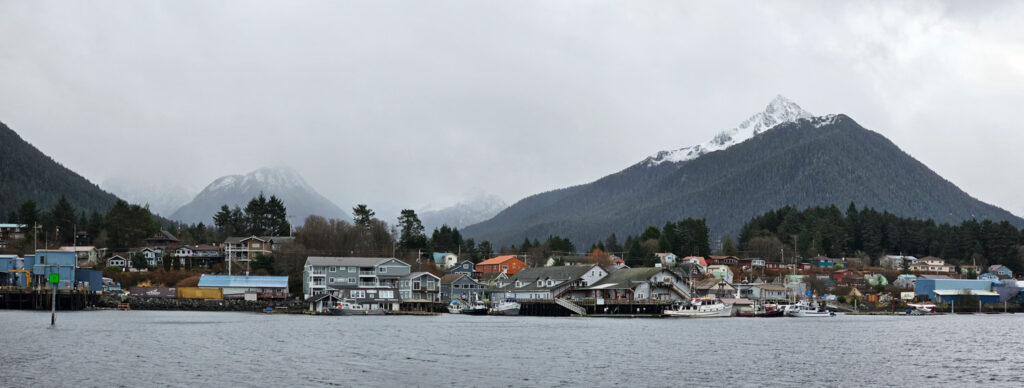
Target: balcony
[369, 284]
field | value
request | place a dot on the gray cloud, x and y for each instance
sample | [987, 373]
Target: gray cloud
[408, 103]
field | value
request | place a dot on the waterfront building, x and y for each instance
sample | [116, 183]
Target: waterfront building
[460, 286]
[465, 266]
[509, 264]
[636, 284]
[947, 290]
[713, 286]
[370, 281]
[45, 262]
[445, 260]
[247, 287]
[547, 283]
[420, 287]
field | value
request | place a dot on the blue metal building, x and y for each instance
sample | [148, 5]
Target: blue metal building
[45, 262]
[947, 290]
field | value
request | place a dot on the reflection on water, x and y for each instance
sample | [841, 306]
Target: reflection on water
[145, 348]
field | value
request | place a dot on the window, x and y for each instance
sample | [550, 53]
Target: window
[357, 294]
[504, 268]
[331, 280]
[351, 280]
[352, 269]
[387, 294]
[255, 245]
[382, 269]
[334, 269]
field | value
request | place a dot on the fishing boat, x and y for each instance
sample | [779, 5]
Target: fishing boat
[349, 307]
[805, 310]
[706, 307]
[477, 308]
[506, 307]
[760, 311]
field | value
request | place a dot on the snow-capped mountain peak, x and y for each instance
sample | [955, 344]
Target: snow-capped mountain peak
[779, 110]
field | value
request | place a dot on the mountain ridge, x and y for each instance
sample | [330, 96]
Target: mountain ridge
[822, 160]
[300, 199]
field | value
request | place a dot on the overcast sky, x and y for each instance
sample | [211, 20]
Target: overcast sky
[401, 104]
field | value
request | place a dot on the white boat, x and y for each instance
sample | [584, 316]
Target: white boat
[349, 307]
[706, 307]
[805, 310]
[455, 307]
[505, 308]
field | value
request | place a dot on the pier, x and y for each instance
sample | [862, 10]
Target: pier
[41, 300]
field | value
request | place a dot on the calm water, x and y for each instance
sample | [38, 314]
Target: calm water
[150, 348]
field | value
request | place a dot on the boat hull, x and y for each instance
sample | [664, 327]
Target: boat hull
[698, 313]
[474, 311]
[352, 312]
[509, 311]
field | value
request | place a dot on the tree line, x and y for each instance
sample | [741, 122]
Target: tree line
[869, 234]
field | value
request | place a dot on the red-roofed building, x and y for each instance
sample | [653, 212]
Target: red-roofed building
[509, 264]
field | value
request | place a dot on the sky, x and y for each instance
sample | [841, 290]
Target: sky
[409, 103]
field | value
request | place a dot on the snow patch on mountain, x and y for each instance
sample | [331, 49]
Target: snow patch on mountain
[780, 110]
[479, 208]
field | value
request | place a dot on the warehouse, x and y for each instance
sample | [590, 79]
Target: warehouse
[247, 287]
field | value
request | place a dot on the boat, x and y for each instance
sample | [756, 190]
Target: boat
[455, 307]
[805, 310]
[921, 308]
[348, 307]
[506, 307]
[705, 307]
[476, 308]
[760, 311]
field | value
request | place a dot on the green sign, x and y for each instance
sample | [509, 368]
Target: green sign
[54, 278]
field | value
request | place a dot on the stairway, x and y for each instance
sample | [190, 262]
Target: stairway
[571, 306]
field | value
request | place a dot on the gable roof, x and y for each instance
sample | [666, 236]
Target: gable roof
[418, 274]
[349, 261]
[491, 276]
[529, 276]
[497, 260]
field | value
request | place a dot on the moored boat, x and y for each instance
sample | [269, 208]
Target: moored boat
[505, 308]
[706, 307]
[351, 308]
[805, 310]
[476, 308]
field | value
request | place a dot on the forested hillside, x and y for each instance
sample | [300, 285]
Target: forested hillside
[28, 174]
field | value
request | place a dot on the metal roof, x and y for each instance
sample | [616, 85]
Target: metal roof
[346, 261]
[243, 281]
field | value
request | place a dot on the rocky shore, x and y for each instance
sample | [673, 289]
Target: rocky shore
[136, 303]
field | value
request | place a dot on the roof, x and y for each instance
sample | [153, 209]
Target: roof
[452, 277]
[238, 239]
[966, 292]
[696, 259]
[439, 256]
[497, 260]
[625, 277]
[710, 283]
[934, 277]
[13, 226]
[418, 274]
[487, 277]
[243, 281]
[560, 273]
[771, 287]
[346, 261]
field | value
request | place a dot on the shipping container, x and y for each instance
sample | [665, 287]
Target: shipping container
[200, 293]
[154, 292]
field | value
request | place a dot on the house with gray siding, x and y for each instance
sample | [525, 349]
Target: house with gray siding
[420, 287]
[548, 282]
[371, 281]
[465, 266]
[460, 286]
[631, 284]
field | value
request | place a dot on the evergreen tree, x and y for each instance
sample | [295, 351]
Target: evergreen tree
[729, 247]
[411, 236]
[362, 215]
[63, 217]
